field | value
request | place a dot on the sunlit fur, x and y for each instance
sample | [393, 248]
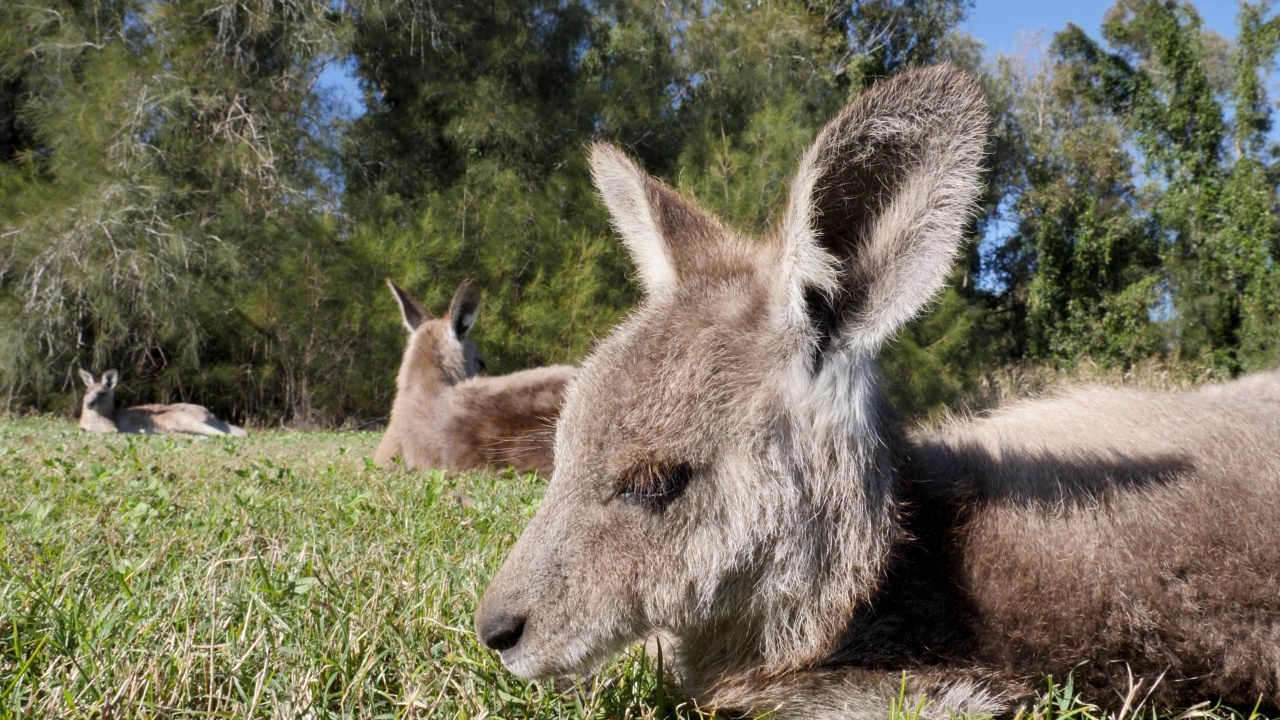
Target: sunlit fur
[98, 413]
[446, 416]
[820, 556]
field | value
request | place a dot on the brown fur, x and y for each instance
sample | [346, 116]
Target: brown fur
[446, 417]
[732, 484]
[98, 413]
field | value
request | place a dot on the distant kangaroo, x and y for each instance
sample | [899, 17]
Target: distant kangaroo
[445, 417]
[731, 479]
[99, 414]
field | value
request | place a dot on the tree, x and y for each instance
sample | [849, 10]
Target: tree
[470, 161]
[1212, 204]
[158, 146]
[1079, 273]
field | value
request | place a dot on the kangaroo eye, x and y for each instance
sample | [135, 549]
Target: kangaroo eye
[654, 486]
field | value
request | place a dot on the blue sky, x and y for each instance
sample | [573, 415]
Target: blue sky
[997, 23]
[340, 78]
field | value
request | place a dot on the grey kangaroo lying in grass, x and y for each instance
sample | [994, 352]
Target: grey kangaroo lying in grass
[98, 413]
[731, 480]
[447, 416]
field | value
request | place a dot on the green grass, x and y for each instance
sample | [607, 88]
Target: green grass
[282, 575]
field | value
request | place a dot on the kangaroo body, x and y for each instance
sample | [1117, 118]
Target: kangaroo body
[99, 414]
[732, 482]
[447, 416]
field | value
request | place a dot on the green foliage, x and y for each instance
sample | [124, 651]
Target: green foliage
[163, 148]
[938, 360]
[276, 576]
[1177, 260]
[470, 160]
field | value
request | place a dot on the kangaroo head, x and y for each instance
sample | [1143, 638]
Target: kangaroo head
[725, 466]
[99, 396]
[440, 350]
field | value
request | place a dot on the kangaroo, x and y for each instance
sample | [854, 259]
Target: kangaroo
[445, 416]
[732, 483]
[98, 413]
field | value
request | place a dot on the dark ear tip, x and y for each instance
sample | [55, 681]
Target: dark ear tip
[465, 306]
[469, 290]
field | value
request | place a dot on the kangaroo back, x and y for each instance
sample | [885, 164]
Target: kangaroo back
[1141, 523]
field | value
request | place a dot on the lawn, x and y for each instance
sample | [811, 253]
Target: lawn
[282, 575]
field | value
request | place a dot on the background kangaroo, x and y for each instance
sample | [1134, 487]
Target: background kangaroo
[731, 480]
[98, 413]
[445, 417]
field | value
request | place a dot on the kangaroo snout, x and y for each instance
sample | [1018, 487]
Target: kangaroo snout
[498, 628]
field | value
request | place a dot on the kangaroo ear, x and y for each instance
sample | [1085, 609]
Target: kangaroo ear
[878, 207]
[665, 233]
[86, 377]
[110, 378]
[464, 308]
[411, 311]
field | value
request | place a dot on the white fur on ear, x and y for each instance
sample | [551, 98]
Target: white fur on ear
[464, 309]
[468, 321]
[110, 378]
[86, 377]
[877, 210]
[622, 186]
[805, 264]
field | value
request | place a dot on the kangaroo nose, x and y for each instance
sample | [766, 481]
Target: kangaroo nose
[500, 630]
